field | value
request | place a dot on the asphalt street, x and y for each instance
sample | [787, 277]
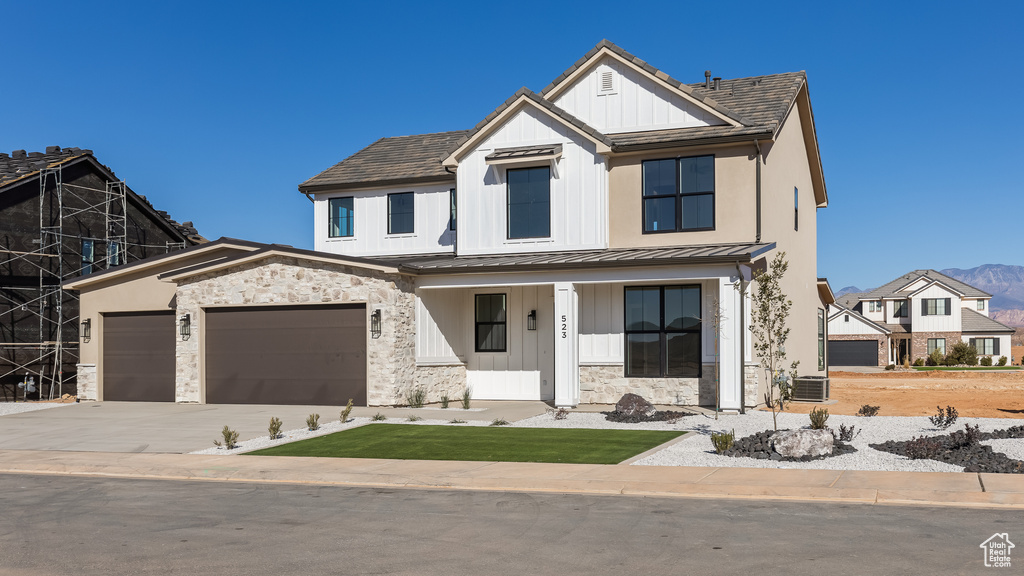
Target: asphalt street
[80, 525]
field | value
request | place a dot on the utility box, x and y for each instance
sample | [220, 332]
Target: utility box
[811, 388]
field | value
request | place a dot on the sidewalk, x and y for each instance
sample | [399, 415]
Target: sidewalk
[899, 488]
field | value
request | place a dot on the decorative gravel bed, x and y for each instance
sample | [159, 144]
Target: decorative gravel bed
[954, 449]
[19, 407]
[759, 447]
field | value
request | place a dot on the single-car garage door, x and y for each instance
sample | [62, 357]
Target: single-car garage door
[853, 353]
[138, 356]
[286, 355]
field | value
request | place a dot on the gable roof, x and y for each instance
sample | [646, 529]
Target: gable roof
[971, 321]
[891, 289]
[395, 160]
[20, 167]
[860, 318]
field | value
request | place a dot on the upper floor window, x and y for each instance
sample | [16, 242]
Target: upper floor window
[340, 221]
[899, 309]
[679, 194]
[796, 208]
[981, 304]
[874, 306]
[401, 213]
[113, 254]
[529, 203]
[935, 307]
[451, 209]
[663, 331]
[88, 256]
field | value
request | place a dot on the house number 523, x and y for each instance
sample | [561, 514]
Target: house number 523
[564, 332]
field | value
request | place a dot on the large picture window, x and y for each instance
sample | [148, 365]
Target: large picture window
[663, 331]
[679, 194]
[986, 346]
[491, 327]
[401, 213]
[529, 203]
[340, 221]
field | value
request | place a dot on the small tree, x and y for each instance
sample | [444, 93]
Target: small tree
[716, 322]
[769, 312]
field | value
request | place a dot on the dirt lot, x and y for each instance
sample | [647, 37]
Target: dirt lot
[973, 394]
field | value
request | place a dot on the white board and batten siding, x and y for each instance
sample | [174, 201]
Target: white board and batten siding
[936, 323]
[839, 326]
[370, 225]
[579, 191]
[613, 98]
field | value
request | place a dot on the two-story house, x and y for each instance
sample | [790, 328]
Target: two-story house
[910, 317]
[573, 246]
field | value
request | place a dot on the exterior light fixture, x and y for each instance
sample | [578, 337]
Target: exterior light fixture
[185, 322]
[86, 329]
[375, 324]
[531, 320]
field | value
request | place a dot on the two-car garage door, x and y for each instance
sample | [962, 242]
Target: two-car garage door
[853, 353]
[254, 355]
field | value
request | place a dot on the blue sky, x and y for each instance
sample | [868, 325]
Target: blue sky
[216, 111]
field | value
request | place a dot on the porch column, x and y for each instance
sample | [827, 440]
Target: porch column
[730, 360]
[567, 365]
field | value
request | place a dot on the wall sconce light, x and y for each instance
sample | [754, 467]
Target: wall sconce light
[86, 329]
[375, 324]
[185, 320]
[531, 320]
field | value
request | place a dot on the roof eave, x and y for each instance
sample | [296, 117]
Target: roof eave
[327, 187]
[767, 135]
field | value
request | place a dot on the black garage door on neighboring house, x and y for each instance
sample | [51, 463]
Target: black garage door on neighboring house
[286, 355]
[138, 356]
[853, 353]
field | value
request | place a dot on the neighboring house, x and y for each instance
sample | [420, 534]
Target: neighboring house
[910, 317]
[571, 247]
[63, 215]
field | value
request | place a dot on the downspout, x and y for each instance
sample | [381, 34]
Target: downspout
[757, 238]
[743, 340]
[308, 197]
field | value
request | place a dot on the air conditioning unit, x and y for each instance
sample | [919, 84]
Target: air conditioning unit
[810, 389]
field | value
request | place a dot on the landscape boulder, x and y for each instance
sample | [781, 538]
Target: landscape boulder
[634, 405]
[800, 443]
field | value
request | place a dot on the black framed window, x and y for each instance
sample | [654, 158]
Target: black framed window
[452, 210]
[796, 208]
[341, 220]
[663, 331]
[401, 213]
[113, 254]
[491, 327]
[88, 256]
[937, 344]
[899, 309]
[679, 194]
[821, 339]
[935, 307]
[529, 202]
[986, 346]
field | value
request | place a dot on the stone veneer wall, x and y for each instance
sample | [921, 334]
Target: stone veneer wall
[753, 395]
[391, 359]
[883, 350]
[87, 382]
[605, 384]
[919, 343]
[440, 380]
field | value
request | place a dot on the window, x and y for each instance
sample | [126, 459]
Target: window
[935, 307]
[937, 344]
[113, 254]
[821, 339]
[451, 209]
[846, 318]
[529, 203]
[874, 306]
[986, 346]
[88, 256]
[899, 309]
[679, 194]
[490, 323]
[981, 304]
[401, 213]
[796, 208]
[663, 332]
[340, 220]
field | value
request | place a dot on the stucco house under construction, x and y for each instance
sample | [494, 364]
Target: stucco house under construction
[63, 214]
[570, 247]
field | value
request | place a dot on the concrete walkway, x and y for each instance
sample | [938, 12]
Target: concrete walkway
[900, 488]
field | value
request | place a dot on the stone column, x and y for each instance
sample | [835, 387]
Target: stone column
[567, 365]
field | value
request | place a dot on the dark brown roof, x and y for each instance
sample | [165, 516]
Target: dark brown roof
[396, 160]
[20, 166]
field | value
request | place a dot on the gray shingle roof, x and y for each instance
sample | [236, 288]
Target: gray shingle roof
[525, 152]
[849, 300]
[397, 160]
[889, 290]
[972, 321]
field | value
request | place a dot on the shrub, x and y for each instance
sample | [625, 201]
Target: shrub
[378, 417]
[1002, 360]
[275, 428]
[919, 362]
[230, 438]
[723, 441]
[936, 358]
[906, 361]
[847, 434]
[818, 418]
[962, 353]
[467, 395]
[986, 361]
[313, 422]
[922, 448]
[414, 418]
[944, 418]
[456, 421]
[445, 400]
[890, 367]
[868, 410]
[346, 411]
[968, 437]
[414, 397]
[561, 414]
[499, 422]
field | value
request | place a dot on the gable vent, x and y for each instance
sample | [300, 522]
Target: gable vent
[606, 82]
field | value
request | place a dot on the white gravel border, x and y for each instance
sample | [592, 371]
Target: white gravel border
[7, 408]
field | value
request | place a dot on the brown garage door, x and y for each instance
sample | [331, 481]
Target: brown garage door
[286, 355]
[138, 356]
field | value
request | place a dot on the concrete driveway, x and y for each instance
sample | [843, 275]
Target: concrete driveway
[180, 428]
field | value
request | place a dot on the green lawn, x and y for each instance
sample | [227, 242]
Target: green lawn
[405, 442]
[928, 368]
